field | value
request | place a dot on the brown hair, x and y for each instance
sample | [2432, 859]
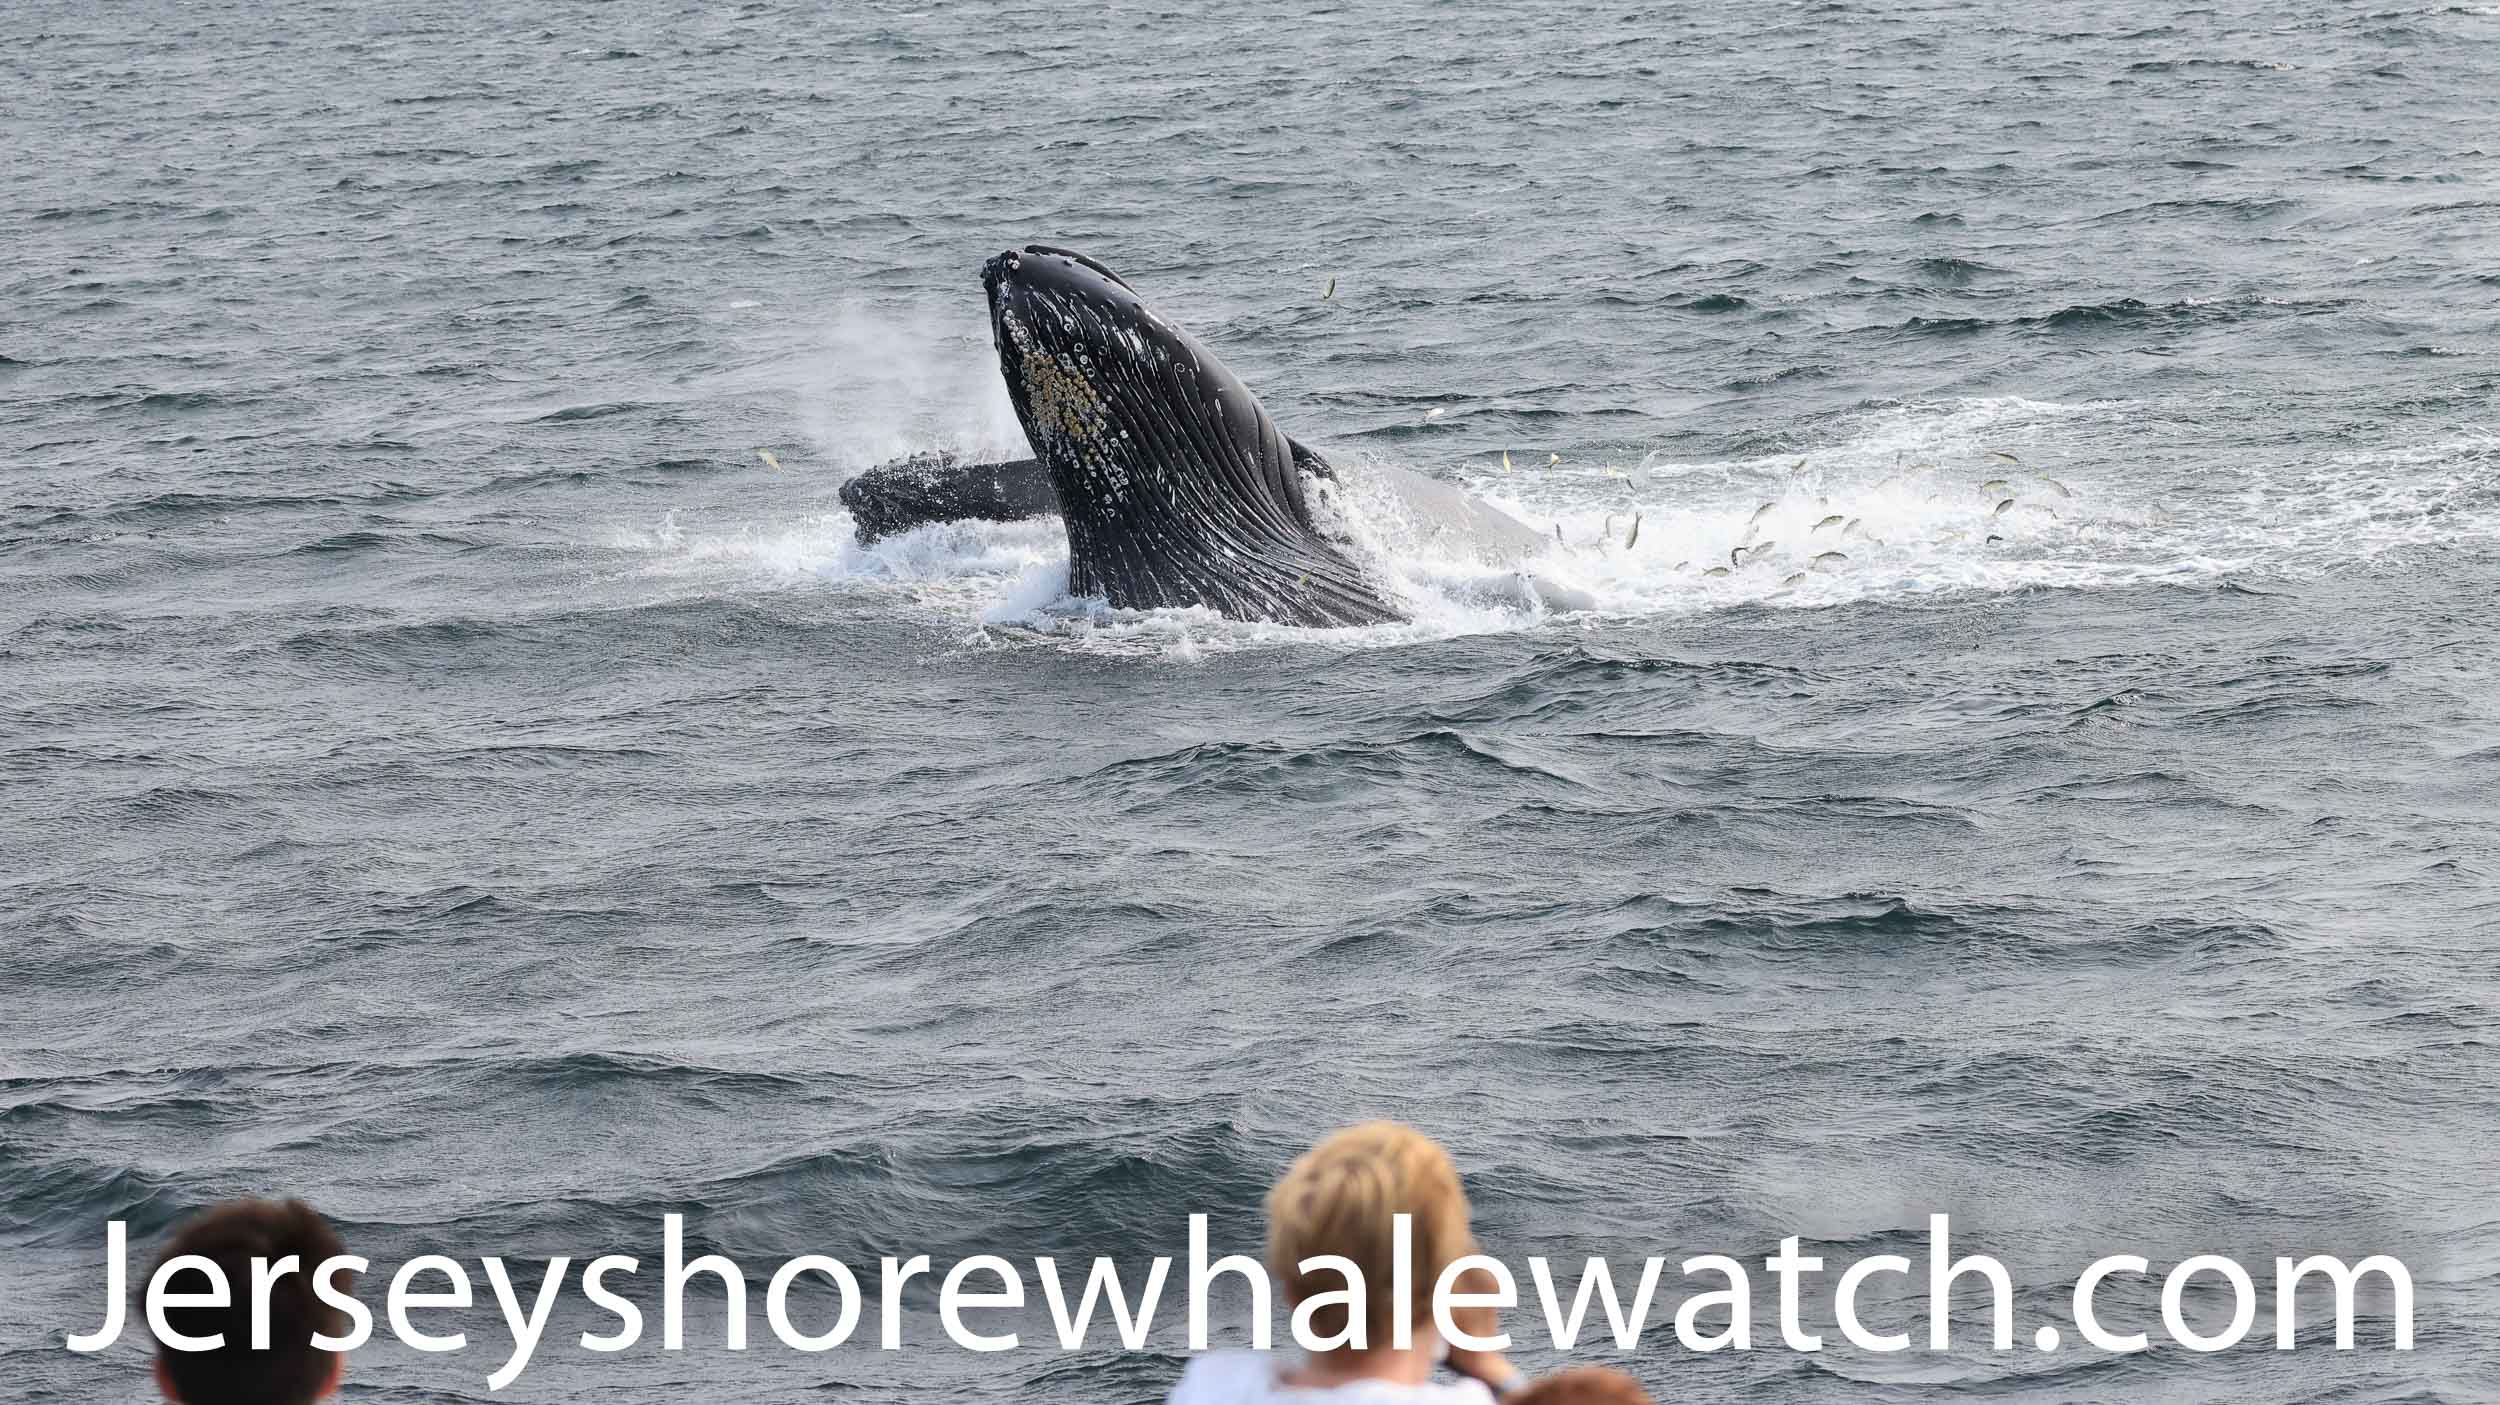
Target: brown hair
[1341, 1198]
[1583, 1385]
[292, 1371]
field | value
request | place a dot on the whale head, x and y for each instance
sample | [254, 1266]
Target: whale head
[1176, 486]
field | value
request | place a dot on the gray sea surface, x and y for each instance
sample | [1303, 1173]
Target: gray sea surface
[447, 774]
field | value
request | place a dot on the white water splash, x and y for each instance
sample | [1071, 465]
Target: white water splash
[1906, 483]
[880, 384]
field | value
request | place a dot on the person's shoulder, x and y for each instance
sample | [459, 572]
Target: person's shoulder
[1249, 1377]
[1225, 1378]
[1462, 1391]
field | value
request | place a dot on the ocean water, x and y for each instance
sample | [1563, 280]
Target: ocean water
[446, 773]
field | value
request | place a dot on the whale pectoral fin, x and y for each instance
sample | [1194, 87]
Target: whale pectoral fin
[938, 487]
[1490, 534]
[1556, 597]
[1309, 461]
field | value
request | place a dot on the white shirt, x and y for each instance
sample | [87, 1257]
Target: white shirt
[1250, 1378]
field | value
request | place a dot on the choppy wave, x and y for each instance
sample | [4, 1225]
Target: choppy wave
[447, 772]
[1976, 496]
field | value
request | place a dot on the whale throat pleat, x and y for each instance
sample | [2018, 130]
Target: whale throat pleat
[1176, 486]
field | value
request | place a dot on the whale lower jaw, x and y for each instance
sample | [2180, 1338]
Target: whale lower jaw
[1177, 488]
[1307, 583]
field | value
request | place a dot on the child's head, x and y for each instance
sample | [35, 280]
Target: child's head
[1583, 1385]
[292, 1371]
[1341, 1198]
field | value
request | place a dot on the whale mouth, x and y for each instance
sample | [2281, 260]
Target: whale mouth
[1176, 486]
[1096, 377]
[1012, 261]
[1010, 264]
[1051, 305]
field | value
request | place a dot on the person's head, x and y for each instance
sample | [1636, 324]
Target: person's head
[1342, 1198]
[1583, 1385]
[292, 1371]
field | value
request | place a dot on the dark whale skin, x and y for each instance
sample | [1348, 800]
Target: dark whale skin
[1176, 486]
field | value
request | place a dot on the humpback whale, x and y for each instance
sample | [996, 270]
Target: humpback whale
[1176, 486]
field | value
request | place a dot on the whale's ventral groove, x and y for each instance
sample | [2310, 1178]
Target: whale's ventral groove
[1176, 487]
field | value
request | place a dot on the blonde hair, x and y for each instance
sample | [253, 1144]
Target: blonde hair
[1341, 1198]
